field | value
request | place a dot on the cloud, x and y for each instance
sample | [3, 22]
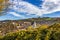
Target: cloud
[15, 14]
[49, 6]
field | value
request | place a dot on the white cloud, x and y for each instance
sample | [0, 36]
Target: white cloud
[49, 6]
[15, 14]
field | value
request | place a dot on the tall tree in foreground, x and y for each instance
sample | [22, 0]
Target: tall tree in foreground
[3, 6]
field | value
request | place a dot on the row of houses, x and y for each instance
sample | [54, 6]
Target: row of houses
[14, 26]
[6, 27]
[23, 25]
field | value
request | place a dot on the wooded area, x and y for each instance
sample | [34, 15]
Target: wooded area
[3, 6]
[40, 33]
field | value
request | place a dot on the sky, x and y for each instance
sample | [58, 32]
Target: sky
[23, 9]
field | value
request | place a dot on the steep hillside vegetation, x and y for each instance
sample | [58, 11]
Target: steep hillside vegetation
[43, 32]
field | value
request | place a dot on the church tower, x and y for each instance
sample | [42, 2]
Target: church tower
[34, 24]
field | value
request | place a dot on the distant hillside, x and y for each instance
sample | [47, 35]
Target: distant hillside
[13, 25]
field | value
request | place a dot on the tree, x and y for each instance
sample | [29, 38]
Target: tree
[3, 6]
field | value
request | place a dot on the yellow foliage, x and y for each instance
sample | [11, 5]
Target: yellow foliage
[43, 32]
[42, 27]
[3, 5]
[1, 1]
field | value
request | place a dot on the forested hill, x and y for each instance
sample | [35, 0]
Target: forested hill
[33, 19]
[7, 26]
[38, 20]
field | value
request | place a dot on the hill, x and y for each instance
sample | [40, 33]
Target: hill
[14, 25]
[43, 32]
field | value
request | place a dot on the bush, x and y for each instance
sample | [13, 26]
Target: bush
[41, 33]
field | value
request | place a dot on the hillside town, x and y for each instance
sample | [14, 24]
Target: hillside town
[15, 25]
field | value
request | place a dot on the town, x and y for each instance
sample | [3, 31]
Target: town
[15, 25]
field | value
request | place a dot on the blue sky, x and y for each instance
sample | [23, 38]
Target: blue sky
[32, 8]
[55, 14]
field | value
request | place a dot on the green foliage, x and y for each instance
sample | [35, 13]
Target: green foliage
[43, 32]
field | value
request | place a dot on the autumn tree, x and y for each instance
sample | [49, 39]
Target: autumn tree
[3, 6]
